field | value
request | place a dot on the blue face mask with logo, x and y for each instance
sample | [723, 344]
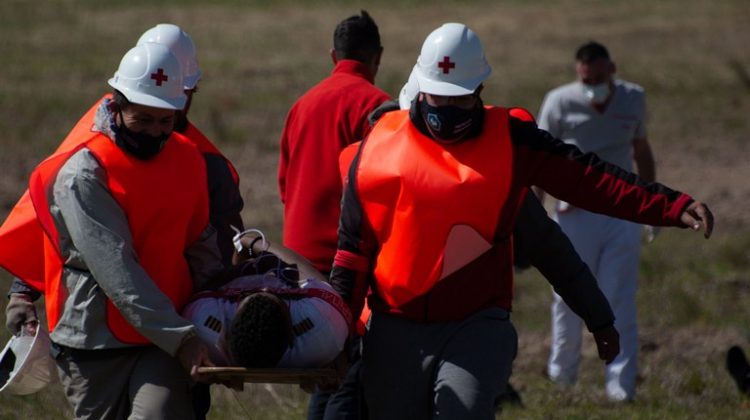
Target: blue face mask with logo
[451, 124]
[141, 145]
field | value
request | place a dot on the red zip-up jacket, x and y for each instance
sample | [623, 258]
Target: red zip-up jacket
[326, 119]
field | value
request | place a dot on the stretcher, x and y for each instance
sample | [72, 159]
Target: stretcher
[266, 376]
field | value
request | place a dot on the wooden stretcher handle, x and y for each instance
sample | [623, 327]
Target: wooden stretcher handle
[273, 375]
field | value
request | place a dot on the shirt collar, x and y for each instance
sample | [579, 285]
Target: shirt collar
[354, 67]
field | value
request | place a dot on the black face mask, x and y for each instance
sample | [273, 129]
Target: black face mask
[141, 145]
[451, 124]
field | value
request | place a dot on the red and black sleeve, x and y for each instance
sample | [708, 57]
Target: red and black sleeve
[588, 182]
[356, 246]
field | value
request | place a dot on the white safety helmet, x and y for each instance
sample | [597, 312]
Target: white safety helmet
[409, 91]
[181, 45]
[150, 75]
[452, 62]
[26, 365]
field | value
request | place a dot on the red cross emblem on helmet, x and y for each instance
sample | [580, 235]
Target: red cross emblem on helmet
[446, 64]
[150, 75]
[159, 76]
[451, 62]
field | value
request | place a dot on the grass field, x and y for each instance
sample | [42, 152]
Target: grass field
[258, 56]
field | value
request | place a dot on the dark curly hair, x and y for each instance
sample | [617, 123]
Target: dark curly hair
[260, 332]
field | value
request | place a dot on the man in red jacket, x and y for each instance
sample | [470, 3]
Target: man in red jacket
[329, 117]
[326, 119]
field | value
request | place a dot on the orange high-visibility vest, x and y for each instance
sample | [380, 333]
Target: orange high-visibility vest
[21, 236]
[415, 192]
[166, 202]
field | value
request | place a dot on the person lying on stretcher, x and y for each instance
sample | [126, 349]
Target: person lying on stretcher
[276, 312]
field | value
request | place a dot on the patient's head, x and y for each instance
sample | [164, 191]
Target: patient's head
[260, 332]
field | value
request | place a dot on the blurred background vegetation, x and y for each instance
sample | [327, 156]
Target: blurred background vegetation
[258, 57]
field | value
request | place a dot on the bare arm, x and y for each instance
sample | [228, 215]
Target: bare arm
[644, 159]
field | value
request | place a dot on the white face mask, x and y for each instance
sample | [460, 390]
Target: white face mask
[596, 93]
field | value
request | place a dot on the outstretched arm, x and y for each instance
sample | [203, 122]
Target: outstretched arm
[586, 181]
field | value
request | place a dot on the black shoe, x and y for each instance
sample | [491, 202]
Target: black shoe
[739, 369]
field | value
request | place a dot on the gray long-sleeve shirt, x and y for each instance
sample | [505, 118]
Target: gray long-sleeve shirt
[100, 262]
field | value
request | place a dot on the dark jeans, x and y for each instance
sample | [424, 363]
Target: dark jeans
[347, 402]
[201, 400]
[316, 407]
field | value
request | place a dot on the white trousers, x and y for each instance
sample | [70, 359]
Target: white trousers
[611, 249]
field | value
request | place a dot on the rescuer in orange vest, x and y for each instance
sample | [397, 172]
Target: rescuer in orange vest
[124, 212]
[225, 202]
[427, 218]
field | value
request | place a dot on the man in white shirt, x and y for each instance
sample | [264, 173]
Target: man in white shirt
[600, 114]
